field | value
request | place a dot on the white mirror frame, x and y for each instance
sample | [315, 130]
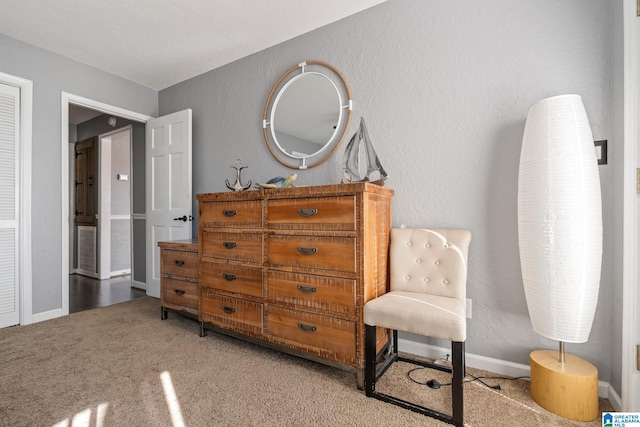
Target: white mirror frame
[306, 161]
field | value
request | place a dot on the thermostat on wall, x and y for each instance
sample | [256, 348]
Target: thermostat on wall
[123, 177]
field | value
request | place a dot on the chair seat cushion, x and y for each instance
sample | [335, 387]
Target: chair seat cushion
[418, 313]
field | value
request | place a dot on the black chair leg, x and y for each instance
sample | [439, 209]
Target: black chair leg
[371, 374]
[457, 392]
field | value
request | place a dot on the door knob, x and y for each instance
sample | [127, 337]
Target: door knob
[181, 218]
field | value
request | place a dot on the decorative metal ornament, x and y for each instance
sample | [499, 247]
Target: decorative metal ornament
[238, 186]
[370, 170]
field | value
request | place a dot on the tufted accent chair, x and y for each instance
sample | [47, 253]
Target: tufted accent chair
[428, 278]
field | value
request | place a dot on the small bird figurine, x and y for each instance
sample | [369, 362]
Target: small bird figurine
[279, 182]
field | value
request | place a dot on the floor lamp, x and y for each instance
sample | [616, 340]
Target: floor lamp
[560, 238]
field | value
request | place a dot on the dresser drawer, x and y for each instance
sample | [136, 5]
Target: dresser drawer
[180, 263]
[178, 294]
[314, 213]
[313, 331]
[230, 312]
[308, 291]
[232, 278]
[323, 253]
[241, 214]
[246, 247]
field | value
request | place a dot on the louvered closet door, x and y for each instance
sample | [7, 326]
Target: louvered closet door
[9, 116]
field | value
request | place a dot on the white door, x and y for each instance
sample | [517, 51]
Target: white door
[104, 208]
[114, 218]
[167, 188]
[9, 204]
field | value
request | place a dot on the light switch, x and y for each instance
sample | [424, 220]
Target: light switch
[123, 177]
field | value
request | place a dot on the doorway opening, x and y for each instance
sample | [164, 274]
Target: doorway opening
[101, 238]
[123, 132]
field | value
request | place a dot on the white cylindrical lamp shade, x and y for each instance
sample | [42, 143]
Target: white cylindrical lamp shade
[560, 219]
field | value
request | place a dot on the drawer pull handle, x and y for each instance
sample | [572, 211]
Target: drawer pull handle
[307, 212]
[229, 277]
[179, 291]
[307, 328]
[228, 310]
[306, 289]
[229, 213]
[229, 245]
[179, 262]
[307, 251]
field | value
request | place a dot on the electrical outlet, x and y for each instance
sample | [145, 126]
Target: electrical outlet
[468, 308]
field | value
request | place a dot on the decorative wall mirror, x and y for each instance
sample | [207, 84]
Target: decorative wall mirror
[307, 114]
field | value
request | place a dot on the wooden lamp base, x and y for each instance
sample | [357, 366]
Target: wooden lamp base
[568, 389]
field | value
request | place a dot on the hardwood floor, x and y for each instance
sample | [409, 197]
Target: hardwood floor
[86, 293]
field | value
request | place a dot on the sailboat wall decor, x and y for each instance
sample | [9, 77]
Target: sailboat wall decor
[360, 162]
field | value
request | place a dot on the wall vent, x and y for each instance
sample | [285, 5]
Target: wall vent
[87, 251]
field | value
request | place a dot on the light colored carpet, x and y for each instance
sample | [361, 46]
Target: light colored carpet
[122, 366]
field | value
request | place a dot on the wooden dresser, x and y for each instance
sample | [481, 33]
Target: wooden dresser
[179, 277]
[292, 268]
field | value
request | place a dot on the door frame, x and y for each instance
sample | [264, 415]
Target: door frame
[630, 393]
[25, 299]
[66, 99]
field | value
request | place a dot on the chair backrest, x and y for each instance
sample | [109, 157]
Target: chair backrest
[429, 261]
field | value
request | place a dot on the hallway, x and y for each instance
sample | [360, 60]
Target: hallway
[86, 293]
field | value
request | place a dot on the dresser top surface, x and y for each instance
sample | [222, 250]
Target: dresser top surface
[191, 244]
[310, 191]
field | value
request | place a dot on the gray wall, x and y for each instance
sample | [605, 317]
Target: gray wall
[444, 88]
[51, 74]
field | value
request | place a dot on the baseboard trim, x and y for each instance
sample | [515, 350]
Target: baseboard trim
[119, 273]
[87, 273]
[139, 285]
[501, 367]
[47, 315]
[614, 398]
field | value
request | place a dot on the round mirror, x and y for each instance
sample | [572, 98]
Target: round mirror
[308, 117]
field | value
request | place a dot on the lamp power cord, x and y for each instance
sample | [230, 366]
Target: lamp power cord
[434, 384]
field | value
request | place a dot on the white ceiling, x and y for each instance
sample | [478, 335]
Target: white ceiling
[158, 43]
